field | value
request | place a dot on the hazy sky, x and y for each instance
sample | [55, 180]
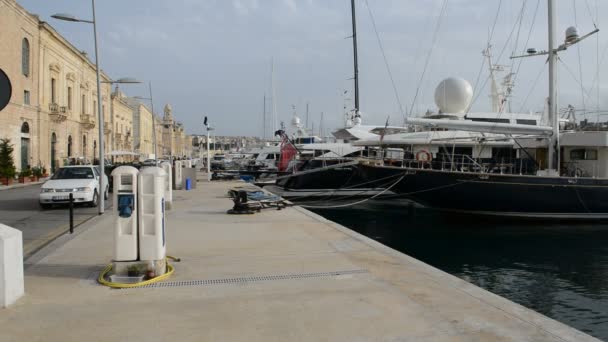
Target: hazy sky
[213, 57]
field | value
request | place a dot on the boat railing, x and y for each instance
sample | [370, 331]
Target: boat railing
[457, 163]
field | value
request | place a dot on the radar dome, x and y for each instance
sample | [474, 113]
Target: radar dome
[295, 121]
[453, 95]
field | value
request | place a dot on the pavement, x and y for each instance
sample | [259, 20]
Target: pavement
[19, 209]
[286, 275]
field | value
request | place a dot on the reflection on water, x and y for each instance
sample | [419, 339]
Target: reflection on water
[557, 269]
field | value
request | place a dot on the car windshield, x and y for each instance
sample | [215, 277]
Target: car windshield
[74, 173]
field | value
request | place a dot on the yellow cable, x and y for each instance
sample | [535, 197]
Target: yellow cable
[102, 277]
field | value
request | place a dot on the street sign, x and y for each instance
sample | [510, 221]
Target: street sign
[6, 90]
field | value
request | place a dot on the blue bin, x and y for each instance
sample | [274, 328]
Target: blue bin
[188, 184]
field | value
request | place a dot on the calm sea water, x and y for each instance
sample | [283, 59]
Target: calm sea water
[557, 269]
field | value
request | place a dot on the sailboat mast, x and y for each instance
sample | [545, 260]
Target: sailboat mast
[355, 60]
[553, 155]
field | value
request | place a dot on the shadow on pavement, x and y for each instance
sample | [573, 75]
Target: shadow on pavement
[62, 270]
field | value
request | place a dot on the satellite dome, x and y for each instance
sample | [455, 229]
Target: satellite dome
[295, 121]
[453, 95]
[571, 34]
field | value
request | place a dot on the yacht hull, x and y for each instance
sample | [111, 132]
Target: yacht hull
[334, 179]
[496, 194]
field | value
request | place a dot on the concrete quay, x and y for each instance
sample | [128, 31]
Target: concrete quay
[285, 275]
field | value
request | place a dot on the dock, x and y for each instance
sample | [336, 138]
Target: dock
[277, 275]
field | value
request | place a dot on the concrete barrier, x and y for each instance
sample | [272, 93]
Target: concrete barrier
[11, 265]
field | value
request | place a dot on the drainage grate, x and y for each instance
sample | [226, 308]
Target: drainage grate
[245, 280]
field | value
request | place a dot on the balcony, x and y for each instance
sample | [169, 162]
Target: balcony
[57, 113]
[87, 121]
[107, 128]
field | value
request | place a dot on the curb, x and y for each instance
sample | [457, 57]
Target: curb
[20, 185]
[551, 326]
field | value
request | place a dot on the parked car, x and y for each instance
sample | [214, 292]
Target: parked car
[81, 180]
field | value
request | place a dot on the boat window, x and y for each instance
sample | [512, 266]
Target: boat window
[591, 155]
[582, 154]
[490, 120]
[270, 156]
[526, 122]
[321, 152]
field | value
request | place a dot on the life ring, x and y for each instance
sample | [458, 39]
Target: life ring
[423, 156]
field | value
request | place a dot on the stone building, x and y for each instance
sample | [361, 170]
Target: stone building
[143, 123]
[121, 128]
[52, 116]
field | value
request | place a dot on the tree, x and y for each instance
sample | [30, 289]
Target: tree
[7, 165]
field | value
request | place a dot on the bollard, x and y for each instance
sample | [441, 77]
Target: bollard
[71, 213]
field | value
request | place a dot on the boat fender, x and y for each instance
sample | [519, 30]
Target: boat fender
[423, 156]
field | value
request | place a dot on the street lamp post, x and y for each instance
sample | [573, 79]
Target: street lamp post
[209, 128]
[67, 17]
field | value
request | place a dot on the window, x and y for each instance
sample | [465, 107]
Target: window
[582, 154]
[70, 98]
[25, 128]
[53, 93]
[490, 120]
[95, 108]
[25, 57]
[591, 155]
[526, 122]
[84, 104]
[26, 97]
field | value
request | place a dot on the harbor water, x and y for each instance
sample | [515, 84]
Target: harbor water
[559, 269]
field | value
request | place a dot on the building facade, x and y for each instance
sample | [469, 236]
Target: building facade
[52, 117]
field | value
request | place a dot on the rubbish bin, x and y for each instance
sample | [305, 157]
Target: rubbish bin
[188, 184]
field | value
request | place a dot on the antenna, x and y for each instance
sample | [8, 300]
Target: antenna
[572, 37]
[306, 115]
[264, 114]
[355, 57]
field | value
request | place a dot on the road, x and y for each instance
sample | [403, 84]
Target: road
[19, 209]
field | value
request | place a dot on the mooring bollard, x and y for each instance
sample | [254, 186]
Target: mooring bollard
[71, 213]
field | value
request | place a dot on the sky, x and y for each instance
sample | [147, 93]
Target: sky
[213, 57]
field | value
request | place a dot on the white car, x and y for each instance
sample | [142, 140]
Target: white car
[81, 180]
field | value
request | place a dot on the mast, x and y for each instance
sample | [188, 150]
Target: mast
[355, 61]
[306, 115]
[553, 157]
[264, 115]
[273, 98]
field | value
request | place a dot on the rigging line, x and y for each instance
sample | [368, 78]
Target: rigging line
[504, 48]
[428, 58]
[542, 70]
[388, 69]
[584, 92]
[527, 40]
[351, 186]
[578, 51]
[595, 81]
[338, 199]
[516, 42]
[519, 20]
[483, 62]
[358, 202]
[593, 20]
